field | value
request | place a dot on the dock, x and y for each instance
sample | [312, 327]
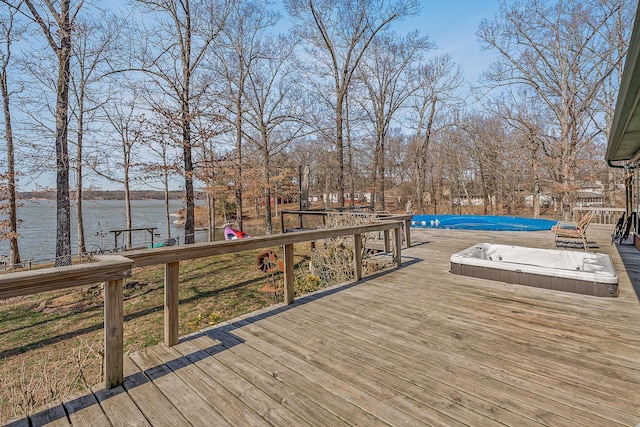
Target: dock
[413, 346]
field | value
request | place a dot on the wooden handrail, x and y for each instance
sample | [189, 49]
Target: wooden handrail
[106, 267]
[113, 269]
[167, 254]
[381, 216]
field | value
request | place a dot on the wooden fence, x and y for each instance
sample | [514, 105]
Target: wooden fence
[113, 269]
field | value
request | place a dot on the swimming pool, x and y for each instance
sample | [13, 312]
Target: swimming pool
[482, 222]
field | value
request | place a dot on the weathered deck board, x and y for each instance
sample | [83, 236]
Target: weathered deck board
[325, 390]
[83, 410]
[190, 402]
[475, 349]
[121, 410]
[416, 346]
[217, 373]
[270, 382]
[406, 362]
[155, 406]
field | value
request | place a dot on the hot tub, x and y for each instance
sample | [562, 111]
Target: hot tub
[569, 271]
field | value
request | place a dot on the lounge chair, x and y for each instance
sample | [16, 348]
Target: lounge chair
[564, 231]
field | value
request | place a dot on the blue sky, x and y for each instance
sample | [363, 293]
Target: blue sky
[452, 25]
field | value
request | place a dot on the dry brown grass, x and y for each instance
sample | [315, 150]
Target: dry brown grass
[51, 343]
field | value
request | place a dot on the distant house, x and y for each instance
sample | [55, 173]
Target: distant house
[546, 200]
[585, 198]
[590, 194]
[472, 200]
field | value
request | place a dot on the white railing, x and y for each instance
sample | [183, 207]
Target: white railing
[601, 215]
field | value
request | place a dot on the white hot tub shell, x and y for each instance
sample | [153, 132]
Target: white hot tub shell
[569, 271]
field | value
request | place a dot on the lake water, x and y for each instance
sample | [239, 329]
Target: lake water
[38, 227]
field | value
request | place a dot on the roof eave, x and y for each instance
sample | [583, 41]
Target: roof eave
[624, 145]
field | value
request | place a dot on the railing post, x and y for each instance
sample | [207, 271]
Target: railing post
[357, 256]
[171, 287]
[387, 245]
[113, 325]
[288, 274]
[407, 231]
[397, 233]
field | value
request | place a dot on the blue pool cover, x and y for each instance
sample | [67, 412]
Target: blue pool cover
[482, 222]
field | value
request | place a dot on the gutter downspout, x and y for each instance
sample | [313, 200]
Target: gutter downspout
[611, 165]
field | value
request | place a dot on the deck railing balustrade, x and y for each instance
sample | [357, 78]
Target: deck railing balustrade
[323, 213]
[113, 269]
[601, 215]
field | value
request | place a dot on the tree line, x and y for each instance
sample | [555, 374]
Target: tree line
[94, 194]
[214, 95]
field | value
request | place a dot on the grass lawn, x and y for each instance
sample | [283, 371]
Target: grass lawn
[51, 343]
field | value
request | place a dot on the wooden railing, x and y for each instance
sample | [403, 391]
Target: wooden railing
[601, 215]
[324, 213]
[113, 269]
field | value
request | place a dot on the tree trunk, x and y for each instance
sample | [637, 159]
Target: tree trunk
[63, 208]
[422, 151]
[275, 202]
[14, 251]
[420, 176]
[536, 183]
[268, 223]
[127, 203]
[352, 179]
[434, 196]
[79, 176]
[327, 199]
[565, 199]
[238, 183]
[211, 230]
[189, 223]
[382, 172]
[374, 175]
[166, 205]
[340, 150]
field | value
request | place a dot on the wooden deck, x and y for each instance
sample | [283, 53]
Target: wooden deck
[416, 346]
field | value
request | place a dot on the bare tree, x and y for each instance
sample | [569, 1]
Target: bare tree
[56, 20]
[273, 108]
[172, 58]
[245, 25]
[529, 122]
[437, 81]
[208, 175]
[9, 34]
[129, 125]
[557, 50]
[454, 169]
[338, 33]
[94, 45]
[386, 73]
[161, 160]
